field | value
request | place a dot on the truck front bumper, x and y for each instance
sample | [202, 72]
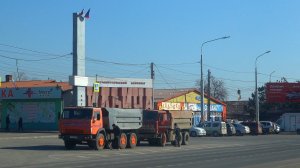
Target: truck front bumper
[76, 137]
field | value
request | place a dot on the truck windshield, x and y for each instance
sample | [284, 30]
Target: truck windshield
[77, 114]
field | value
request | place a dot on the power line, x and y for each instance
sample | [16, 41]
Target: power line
[139, 71]
[115, 63]
[163, 77]
[221, 69]
[44, 59]
[180, 71]
[34, 51]
[186, 63]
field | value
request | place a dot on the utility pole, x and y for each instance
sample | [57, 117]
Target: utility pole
[208, 103]
[96, 94]
[18, 70]
[152, 77]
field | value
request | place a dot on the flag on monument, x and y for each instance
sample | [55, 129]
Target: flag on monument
[81, 13]
[87, 15]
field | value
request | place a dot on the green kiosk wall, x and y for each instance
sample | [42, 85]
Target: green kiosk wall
[37, 114]
[38, 106]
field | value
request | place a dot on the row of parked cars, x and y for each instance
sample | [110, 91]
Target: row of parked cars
[218, 128]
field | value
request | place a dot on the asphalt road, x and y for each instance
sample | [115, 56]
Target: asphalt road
[46, 150]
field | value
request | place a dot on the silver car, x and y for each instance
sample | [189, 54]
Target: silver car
[241, 129]
[268, 127]
[197, 131]
[276, 128]
[215, 128]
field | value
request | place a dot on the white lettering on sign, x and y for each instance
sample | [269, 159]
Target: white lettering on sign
[171, 106]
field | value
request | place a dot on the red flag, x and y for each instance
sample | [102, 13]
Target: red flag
[87, 15]
[81, 13]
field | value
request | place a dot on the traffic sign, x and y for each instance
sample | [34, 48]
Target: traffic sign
[96, 87]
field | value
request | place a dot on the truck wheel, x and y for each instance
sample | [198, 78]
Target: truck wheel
[185, 138]
[100, 142]
[163, 139]
[69, 144]
[180, 138]
[122, 141]
[132, 140]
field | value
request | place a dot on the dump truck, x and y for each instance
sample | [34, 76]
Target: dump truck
[158, 126]
[93, 126]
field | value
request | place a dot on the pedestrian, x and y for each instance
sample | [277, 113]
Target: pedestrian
[20, 124]
[116, 131]
[177, 133]
[7, 122]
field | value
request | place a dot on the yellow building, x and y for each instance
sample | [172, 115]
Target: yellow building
[191, 100]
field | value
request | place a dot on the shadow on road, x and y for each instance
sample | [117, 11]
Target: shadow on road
[62, 148]
[40, 148]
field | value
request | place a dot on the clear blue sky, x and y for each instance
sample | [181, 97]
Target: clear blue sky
[166, 32]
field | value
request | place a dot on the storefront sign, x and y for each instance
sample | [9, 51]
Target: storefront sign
[170, 106]
[30, 93]
[197, 107]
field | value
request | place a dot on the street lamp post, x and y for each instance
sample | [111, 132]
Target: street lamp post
[256, 90]
[202, 81]
[271, 76]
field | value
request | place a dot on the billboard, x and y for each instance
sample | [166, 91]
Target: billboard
[282, 92]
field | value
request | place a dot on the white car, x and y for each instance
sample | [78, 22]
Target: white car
[197, 131]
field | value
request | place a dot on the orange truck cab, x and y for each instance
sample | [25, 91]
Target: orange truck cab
[93, 126]
[158, 126]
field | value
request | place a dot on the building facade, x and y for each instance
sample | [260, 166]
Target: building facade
[39, 103]
[191, 100]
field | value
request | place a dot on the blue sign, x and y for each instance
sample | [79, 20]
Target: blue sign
[197, 107]
[198, 98]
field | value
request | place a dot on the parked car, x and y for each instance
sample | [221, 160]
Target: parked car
[197, 131]
[230, 129]
[215, 128]
[241, 129]
[276, 128]
[255, 128]
[267, 126]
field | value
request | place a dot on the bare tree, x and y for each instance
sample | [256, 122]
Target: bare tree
[217, 88]
[21, 76]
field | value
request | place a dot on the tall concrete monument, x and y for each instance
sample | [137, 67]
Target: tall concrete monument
[79, 55]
